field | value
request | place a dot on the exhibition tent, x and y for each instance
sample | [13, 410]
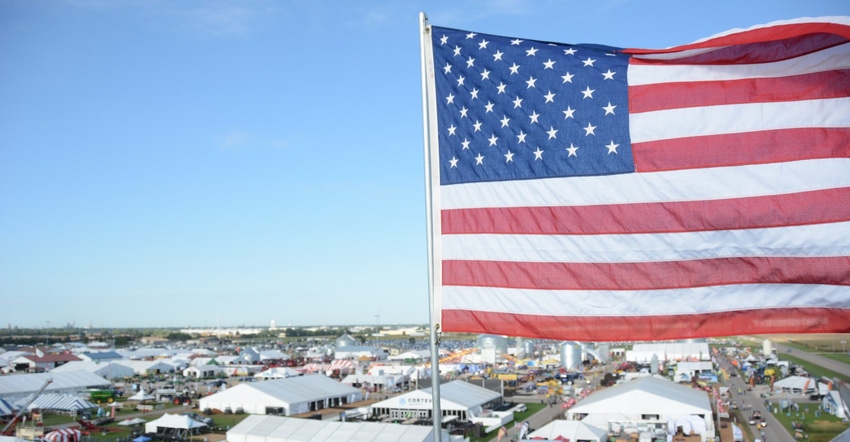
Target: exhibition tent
[63, 435]
[282, 429]
[19, 386]
[107, 370]
[796, 384]
[290, 396]
[569, 430]
[58, 402]
[625, 405]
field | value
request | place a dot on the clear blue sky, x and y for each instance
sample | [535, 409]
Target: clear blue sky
[174, 163]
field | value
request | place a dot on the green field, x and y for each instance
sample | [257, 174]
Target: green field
[815, 370]
[822, 428]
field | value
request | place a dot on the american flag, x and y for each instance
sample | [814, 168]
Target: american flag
[586, 192]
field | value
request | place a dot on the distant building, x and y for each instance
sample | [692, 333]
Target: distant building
[153, 340]
[40, 363]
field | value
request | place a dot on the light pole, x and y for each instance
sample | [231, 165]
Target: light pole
[377, 326]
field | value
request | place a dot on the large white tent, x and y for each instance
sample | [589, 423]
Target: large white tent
[282, 429]
[290, 396]
[17, 386]
[647, 405]
[457, 398]
[57, 402]
[106, 370]
[569, 430]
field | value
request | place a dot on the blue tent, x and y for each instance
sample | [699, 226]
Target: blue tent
[142, 438]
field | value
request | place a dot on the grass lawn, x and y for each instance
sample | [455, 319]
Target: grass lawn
[840, 357]
[227, 420]
[823, 428]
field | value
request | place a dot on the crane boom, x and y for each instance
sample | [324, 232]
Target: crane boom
[24, 407]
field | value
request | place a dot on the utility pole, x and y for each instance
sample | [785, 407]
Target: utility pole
[377, 328]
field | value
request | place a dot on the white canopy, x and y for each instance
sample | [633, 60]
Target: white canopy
[796, 384]
[141, 396]
[174, 421]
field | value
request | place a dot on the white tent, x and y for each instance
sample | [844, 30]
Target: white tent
[173, 422]
[290, 396]
[569, 430]
[61, 402]
[282, 429]
[141, 396]
[278, 373]
[107, 370]
[647, 404]
[6, 408]
[796, 384]
[202, 371]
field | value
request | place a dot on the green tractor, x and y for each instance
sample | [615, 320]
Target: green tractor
[103, 396]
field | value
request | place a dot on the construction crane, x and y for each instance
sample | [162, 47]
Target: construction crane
[24, 407]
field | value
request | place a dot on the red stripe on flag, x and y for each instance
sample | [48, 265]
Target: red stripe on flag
[828, 34]
[628, 328]
[815, 207]
[647, 275]
[763, 147]
[819, 85]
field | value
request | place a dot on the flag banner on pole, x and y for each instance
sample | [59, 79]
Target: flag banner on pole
[587, 192]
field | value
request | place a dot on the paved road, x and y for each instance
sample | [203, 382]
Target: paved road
[774, 431]
[829, 364]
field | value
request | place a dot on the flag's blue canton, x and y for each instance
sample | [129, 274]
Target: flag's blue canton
[519, 109]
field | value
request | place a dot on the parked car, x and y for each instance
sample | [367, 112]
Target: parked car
[195, 416]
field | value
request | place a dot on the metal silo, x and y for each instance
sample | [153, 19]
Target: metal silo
[492, 347]
[528, 348]
[570, 355]
[345, 341]
[767, 347]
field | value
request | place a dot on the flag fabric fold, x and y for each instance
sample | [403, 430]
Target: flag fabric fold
[586, 192]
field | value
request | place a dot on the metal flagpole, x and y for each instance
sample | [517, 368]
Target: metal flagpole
[433, 307]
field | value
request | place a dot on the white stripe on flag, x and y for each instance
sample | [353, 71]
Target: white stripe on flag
[738, 118]
[714, 184]
[645, 302]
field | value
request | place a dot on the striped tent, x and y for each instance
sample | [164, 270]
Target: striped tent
[63, 435]
[6, 408]
[58, 402]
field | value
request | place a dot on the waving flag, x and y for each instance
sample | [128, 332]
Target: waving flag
[586, 192]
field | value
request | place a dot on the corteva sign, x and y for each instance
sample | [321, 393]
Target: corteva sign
[406, 401]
